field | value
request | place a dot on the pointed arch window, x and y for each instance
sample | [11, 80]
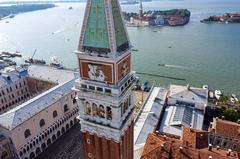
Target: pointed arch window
[55, 114]
[27, 133]
[66, 108]
[109, 113]
[101, 111]
[42, 123]
[88, 108]
[94, 109]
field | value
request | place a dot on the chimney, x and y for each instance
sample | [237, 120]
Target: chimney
[229, 152]
[209, 147]
[162, 146]
[210, 157]
[238, 121]
[218, 147]
[223, 117]
[188, 87]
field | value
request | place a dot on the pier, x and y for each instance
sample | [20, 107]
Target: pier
[157, 75]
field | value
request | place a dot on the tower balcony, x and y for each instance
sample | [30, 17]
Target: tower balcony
[109, 92]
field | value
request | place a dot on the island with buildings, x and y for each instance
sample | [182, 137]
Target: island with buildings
[173, 17]
[226, 18]
[10, 11]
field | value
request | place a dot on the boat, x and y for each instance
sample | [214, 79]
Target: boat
[169, 47]
[135, 50]
[70, 8]
[205, 86]
[12, 54]
[7, 22]
[55, 62]
[218, 94]
[35, 61]
[160, 64]
[9, 62]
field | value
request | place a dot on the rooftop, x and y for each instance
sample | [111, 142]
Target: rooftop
[23, 112]
[189, 94]
[149, 117]
[44, 72]
[11, 74]
[226, 128]
[159, 146]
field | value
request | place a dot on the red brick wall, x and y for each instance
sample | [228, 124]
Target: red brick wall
[101, 148]
[195, 139]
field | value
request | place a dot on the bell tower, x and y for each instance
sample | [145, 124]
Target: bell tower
[106, 82]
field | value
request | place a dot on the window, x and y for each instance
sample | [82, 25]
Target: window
[108, 91]
[27, 133]
[109, 113]
[94, 109]
[55, 114]
[74, 100]
[41, 123]
[4, 155]
[88, 108]
[99, 89]
[66, 108]
[91, 88]
[101, 112]
[84, 86]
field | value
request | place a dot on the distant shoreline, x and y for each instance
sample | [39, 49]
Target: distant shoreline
[12, 10]
[44, 1]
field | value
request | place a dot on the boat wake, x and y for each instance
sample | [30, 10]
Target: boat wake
[58, 31]
[172, 66]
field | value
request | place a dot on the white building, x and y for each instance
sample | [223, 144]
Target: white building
[35, 124]
[185, 107]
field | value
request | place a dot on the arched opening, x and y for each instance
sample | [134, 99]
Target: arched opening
[53, 137]
[109, 113]
[42, 123]
[63, 130]
[74, 100]
[101, 111]
[55, 114]
[67, 126]
[66, 108]
[58, 133]
[71, 123]
[75, 120]
[38, 151]
[94, 109]
[88, 108]
[27, 133]
[43, 146]
[32, 155]
[25, 158]
[4, 155]
[49, 142]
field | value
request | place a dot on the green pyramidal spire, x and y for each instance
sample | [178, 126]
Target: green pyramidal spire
[103, 30]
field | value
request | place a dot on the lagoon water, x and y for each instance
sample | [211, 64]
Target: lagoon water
[200, 53]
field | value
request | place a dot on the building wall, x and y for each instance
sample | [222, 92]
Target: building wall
[6, 148]
[20, 91]
[36, 86]
[41, 137]
[101, 148]
[13, 94]
[195, 139]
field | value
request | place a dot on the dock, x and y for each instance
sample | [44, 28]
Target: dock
[162, 76]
